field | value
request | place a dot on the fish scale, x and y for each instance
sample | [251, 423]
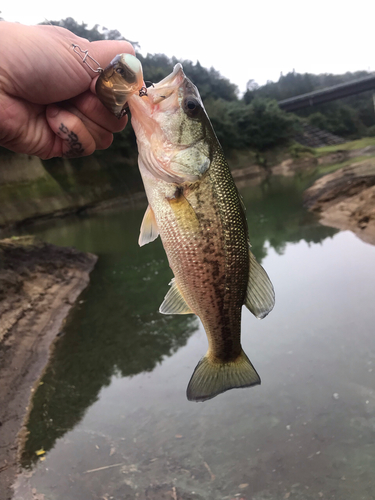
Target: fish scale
[230, 255]
[195, 207]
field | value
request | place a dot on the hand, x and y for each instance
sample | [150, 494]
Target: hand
[46, 106]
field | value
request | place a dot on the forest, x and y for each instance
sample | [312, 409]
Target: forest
[253, 121]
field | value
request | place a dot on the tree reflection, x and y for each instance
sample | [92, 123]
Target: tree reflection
[117, 329]
[276, 215]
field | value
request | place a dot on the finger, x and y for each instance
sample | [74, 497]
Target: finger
[106, 50]
[103, 51]
[75, 139]
[90, 106]
[67, 74]
[103, 138]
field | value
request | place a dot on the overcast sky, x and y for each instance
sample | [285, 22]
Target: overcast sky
[242, 39]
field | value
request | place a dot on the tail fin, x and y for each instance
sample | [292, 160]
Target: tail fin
[211, 378]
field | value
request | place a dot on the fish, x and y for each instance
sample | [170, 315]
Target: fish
[195, 207]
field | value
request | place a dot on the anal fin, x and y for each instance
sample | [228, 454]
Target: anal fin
[174, 303]
[149, 229]
[260, 295]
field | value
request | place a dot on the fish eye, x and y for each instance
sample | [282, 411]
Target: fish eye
[120, 71]
[192, 106]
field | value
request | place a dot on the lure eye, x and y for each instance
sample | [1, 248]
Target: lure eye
[191, 106]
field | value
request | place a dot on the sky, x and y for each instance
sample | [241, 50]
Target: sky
[243, 40]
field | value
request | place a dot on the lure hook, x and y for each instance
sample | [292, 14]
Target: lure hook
[143, 90]
[86, 56]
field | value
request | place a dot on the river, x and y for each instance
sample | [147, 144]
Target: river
[111, 412]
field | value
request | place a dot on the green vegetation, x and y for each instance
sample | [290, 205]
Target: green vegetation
[115, 330]
[119, 333]
[92, 34]
[296, 151]
[259, 125]
[252, 130]
[351, 117]
[347, 146]
[328, 169]
[254, 122]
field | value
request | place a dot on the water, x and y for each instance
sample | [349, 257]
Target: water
[111, 410]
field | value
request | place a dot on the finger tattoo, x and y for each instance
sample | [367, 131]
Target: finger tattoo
[75, 146]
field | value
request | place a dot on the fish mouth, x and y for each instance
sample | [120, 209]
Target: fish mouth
[160, 97]
[169, 86]
[176, 84]
[177, 77]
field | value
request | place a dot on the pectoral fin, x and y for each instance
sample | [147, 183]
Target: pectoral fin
[184, 213]
[260, 295]
[174, 303]
[149, 229]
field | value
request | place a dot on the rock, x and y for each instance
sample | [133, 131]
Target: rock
[290, 167]
[345, 199]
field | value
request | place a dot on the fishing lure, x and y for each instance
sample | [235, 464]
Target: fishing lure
[122, 78]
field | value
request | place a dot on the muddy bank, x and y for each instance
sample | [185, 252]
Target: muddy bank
[345, 199]
[31, 188]
[39, 283]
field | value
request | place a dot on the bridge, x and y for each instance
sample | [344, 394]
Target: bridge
[328, 94]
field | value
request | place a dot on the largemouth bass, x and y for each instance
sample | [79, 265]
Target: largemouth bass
[195, 207]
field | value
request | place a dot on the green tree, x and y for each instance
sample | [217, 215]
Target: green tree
[251, 88]
[263, 125]
[92, 34]
[350, 117]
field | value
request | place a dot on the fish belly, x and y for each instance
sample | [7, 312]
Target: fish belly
[205, 239]
[204, 233]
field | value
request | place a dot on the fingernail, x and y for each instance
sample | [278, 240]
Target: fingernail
[52, 111]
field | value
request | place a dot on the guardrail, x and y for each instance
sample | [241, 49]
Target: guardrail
[328, 94]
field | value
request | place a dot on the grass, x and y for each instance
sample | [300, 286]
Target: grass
[29, 191]
[328, 169]
[347, 146]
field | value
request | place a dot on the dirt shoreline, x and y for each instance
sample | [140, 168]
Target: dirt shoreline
[345, 199]
[39, 283]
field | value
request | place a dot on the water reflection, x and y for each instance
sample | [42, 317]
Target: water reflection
[276, 215]
[116, 331]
